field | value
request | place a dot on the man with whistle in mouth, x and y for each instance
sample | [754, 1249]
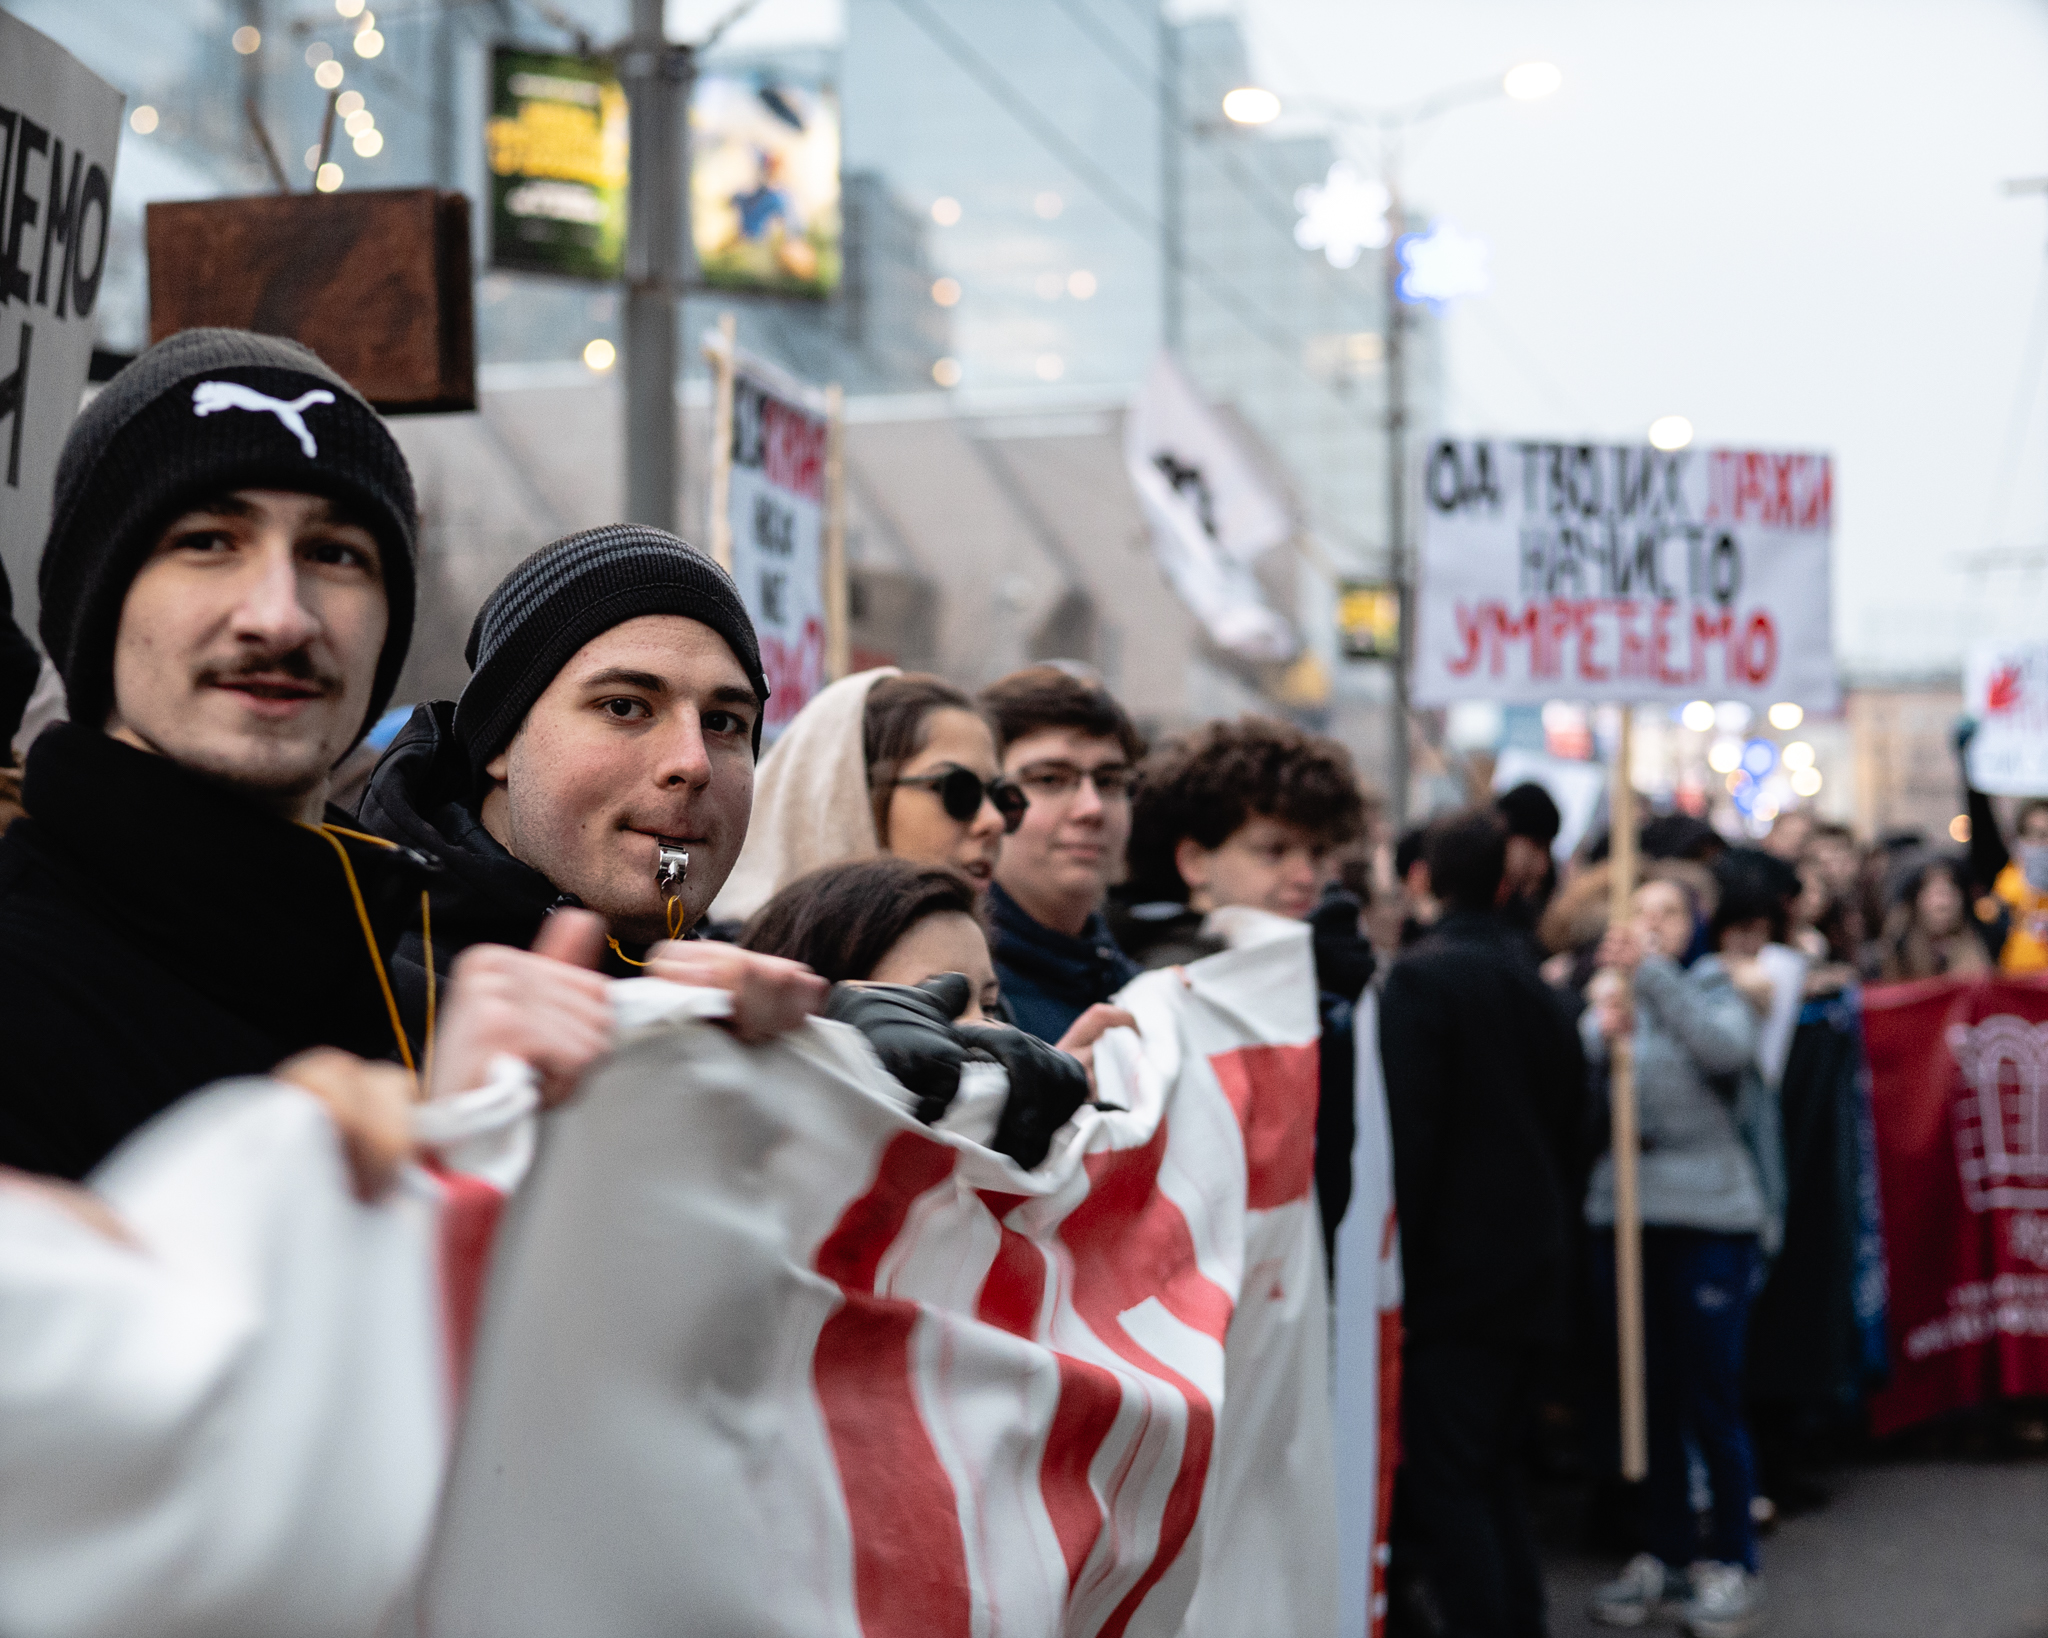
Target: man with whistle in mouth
[609, 728]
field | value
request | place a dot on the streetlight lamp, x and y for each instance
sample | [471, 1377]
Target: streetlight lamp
[1255, 105]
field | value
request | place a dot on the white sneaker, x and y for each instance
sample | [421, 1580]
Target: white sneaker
[1647, 1587]
[1727, 1602]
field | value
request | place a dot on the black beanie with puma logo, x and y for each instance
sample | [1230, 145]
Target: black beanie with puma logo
[199, 415]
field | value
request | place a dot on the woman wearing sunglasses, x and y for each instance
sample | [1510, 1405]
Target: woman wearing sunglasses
[880, 762]
[933, 777]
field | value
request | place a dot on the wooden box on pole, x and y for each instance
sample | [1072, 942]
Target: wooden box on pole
[377, 282]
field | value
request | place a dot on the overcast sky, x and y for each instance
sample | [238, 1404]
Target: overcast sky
[1783, 219]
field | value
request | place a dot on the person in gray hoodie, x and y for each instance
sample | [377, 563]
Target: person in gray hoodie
[1703, 1210]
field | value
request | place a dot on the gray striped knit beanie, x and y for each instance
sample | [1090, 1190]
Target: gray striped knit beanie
[572, 591]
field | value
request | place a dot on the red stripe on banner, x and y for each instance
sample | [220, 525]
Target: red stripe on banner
[1130, 1242]
[1014, 1289]
[909, 1557]
[1089, 1400]
[471, 1210]
[1389, 1451]
[1274, 1090]
[1012, 1297]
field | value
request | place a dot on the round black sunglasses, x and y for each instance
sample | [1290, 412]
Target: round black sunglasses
[961, 792]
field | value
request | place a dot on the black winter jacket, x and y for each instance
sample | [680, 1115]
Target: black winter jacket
[1485, 1083]
[158, 932]
[1050, 978]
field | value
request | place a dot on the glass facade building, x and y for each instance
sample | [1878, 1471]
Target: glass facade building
[1012, 173]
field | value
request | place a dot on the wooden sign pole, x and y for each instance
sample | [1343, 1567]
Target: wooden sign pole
[1626, 1144]
[838, 636]
[723, 359]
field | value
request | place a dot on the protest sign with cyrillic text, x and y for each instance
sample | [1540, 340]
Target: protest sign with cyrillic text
[1608, 572]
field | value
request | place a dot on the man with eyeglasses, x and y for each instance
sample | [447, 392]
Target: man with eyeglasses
[1072, 750]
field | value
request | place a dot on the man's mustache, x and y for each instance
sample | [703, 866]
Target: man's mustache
[295, 663]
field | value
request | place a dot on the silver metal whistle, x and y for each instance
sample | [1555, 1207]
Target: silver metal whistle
[671, 867]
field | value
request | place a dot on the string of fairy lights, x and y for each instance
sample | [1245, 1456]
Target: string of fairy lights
[349, 107]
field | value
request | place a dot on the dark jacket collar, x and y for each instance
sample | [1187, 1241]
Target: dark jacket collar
[250, 909]
[1060, 961]
[1468, 927]
[422, 794]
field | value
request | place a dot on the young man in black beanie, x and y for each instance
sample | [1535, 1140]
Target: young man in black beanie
[227, 591]
[602, 756]
[611, 721]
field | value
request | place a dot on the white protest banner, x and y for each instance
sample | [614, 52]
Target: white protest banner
[236, 1420]
[775, 507]
[60, 125]
[2005, 687]
[1609, 572]
[761, 1349]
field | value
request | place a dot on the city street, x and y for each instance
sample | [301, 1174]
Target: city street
[1950, 1547]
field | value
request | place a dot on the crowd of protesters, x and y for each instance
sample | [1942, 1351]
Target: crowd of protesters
[960, 875]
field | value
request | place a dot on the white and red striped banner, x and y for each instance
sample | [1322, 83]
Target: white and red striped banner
[763, 1354]
[236, 1422]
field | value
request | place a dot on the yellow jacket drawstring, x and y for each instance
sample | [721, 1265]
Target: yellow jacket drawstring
[332, 834]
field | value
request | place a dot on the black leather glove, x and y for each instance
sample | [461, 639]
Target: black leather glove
[1046, 1087]
[911, 1030]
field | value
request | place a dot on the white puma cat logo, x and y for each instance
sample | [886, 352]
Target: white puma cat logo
[210, 397]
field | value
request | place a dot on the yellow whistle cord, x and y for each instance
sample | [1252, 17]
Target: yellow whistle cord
[332, 834]
[672, 913]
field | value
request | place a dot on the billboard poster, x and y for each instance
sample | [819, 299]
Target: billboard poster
[2005, 687]
[776, 506]
[1622, 573]
[764, 185]
[556, 142]
[60, 125]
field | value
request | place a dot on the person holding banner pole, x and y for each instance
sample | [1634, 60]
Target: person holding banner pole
[1672, 1036]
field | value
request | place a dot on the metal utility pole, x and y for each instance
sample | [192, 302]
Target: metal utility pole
[1397, 513]
[1172, 228]
[446, 112]
[657, 77]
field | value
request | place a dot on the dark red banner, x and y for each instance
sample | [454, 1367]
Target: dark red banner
[1959, 1095]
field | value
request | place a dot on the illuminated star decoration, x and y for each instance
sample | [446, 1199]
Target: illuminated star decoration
[1441, 265]
[1342, 215]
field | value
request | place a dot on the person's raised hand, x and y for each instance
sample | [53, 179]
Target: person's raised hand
[1753, 984]
[370, 1105]
[545, 1005]
[1622, 948]
[1090, 1027]
[771, 995]
[1608, 996]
